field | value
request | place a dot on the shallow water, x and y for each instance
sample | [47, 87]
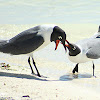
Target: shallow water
[49, 11]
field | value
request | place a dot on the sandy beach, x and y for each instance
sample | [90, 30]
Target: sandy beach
[17, 82]
[20, 85]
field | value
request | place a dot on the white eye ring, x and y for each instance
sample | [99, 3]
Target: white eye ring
[74, 48]
[59, 37]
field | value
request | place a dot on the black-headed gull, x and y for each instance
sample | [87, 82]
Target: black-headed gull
[84, 50]
[33, 39]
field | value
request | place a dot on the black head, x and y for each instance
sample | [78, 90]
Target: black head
[58, 35]
[73, 49]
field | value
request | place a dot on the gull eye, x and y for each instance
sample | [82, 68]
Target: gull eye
[60, 37]
[74, 48]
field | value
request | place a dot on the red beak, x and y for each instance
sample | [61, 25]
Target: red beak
[57, 42]
[67, 45]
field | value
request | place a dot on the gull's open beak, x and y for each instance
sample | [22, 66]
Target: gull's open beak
[67, 45]
[57, 42]
[63, 43]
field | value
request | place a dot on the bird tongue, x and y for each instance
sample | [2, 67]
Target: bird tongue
[57, 42]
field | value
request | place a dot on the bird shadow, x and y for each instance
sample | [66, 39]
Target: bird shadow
[71, 76]
[22, 76]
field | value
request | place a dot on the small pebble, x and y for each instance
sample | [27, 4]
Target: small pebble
[26, 96]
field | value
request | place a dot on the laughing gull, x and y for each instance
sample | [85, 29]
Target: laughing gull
[32, 40]
[84, 50]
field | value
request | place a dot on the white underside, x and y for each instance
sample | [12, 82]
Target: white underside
[84, 45]
[80, 58]
[41, 47]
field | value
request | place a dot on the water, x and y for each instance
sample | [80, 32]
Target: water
[49, 11]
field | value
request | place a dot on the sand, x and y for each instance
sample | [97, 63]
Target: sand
[21, 85]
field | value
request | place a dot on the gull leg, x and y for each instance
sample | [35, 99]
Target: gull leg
[76, 68]
[30, 65]
[93, 69]
[36, 68]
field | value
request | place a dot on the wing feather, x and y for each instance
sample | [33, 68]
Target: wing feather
[27, 34]
[94, 51]
[23, 43]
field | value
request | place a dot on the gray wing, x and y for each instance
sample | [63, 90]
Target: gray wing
[93, 49]
[27, 34]
[23, 43]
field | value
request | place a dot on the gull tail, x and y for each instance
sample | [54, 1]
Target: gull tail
[3, 46]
